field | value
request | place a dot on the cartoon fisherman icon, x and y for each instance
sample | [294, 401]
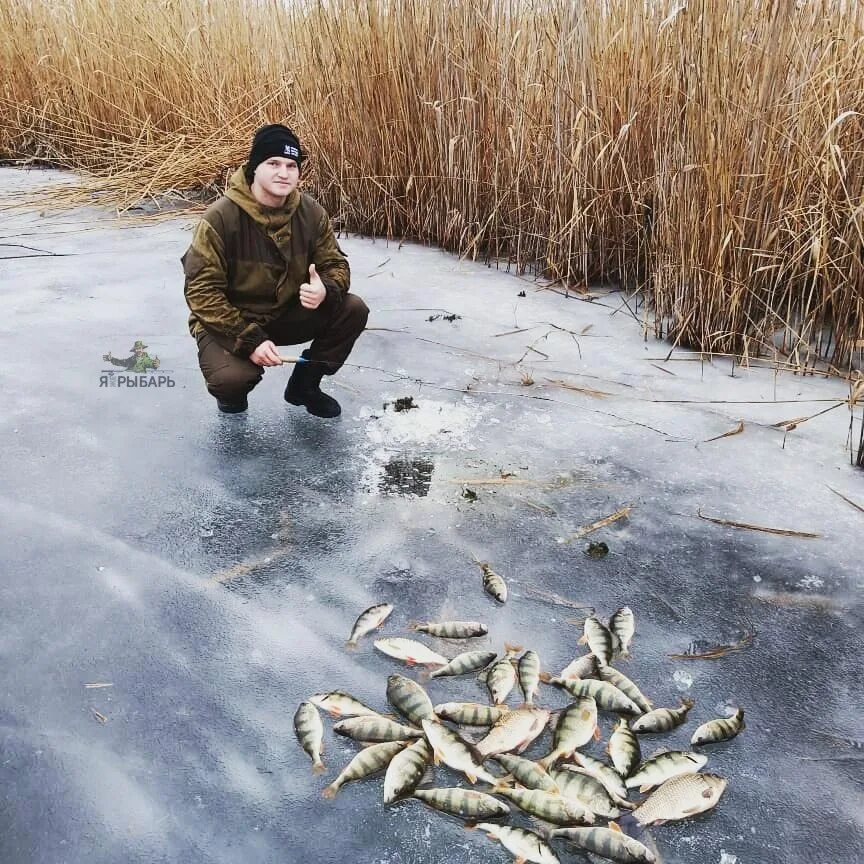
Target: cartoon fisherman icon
[139, 362]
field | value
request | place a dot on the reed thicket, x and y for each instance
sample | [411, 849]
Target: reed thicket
[712, 156]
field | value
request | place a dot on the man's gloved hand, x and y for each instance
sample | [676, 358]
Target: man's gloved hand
[313, 292]
[266, 354]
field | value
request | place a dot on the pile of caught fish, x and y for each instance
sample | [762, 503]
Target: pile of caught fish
[567, 792]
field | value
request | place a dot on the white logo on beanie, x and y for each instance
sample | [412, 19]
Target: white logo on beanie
[291, 151]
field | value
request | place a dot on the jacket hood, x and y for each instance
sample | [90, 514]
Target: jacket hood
[271, 218]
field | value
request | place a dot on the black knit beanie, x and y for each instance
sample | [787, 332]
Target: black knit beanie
[273, 140]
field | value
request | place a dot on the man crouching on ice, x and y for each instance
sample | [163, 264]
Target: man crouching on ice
[264, 269]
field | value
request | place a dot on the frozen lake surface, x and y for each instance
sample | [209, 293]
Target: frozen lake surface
[209, 568]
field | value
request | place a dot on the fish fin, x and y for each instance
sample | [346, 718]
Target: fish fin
[470, 826]
[545, 677]
[410, 661]
[436, 757]
[596, 733]
[471, 778]
[350, 646]
[520, 860]
[415, 625]
[645, 787]
[614, 826]
[318, 768]
[335, 713]
[582, 640]
[330, 792]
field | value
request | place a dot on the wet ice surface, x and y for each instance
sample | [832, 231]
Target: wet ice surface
[210, 568]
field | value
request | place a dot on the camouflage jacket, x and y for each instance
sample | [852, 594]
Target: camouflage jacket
[246, 263]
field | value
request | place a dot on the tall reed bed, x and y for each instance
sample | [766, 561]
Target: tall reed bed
[711, 155]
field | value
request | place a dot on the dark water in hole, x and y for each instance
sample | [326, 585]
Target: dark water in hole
[405, 475]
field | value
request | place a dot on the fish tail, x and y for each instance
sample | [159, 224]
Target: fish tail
[351, 646]
[330, 792]
[318, 767]
[545, 677]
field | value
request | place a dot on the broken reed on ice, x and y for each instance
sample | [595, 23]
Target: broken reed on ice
[711, 155]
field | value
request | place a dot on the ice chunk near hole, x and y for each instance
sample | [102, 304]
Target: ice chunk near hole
[727, 857]
[683, 680]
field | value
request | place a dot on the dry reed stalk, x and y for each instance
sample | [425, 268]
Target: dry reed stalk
[585, 530]
[847, 500]
[588, 391]
[784, 532]
[709, 155]
[718, 651]
[558, 600]
[736, 431]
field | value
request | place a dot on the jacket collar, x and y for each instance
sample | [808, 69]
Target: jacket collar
[270, 218]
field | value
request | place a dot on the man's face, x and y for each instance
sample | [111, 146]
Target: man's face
[278, 176]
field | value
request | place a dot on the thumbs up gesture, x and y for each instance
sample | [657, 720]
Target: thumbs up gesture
[313, 292]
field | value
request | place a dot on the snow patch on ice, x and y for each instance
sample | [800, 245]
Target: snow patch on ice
[441, 425]
[808, 583]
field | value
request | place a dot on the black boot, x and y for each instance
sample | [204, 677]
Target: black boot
[232, 407]
[304, 389]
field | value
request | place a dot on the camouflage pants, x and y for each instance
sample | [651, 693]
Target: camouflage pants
[230, 378]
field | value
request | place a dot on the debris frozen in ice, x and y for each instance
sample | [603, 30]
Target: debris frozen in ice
[727, 857]
[597, 549]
